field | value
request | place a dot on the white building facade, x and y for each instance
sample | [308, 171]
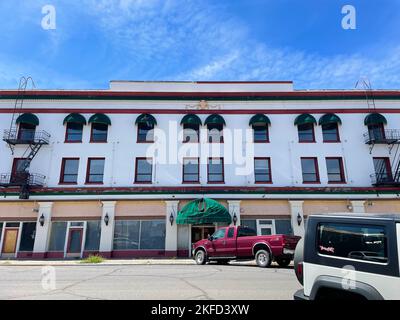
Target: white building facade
[110, 171]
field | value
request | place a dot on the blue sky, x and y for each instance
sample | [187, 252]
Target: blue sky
[100, 40]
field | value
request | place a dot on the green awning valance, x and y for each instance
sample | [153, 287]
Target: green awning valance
[374, 118]
[215, 119]
[191, 119]
[259, 119]
[100, 118]
[28, 118]
[304, 119]
[75, 118]
[329, 118]
[202, 211]
[147, 119]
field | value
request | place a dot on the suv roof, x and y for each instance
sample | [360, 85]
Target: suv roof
[346, 215]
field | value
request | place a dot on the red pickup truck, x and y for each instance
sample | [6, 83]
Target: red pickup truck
[242, 243]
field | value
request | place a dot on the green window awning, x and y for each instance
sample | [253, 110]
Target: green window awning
[147, 119]
[329, 118]
[100, 118]
[191, 119]
[215, 119]
[28, 118]
[75, 118]
[202, 211]
[374, 118]
[304, 119]
[259, 119]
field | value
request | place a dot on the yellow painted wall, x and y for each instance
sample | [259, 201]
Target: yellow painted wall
[17, 210]
[325, 206]
[264, 207]
[140, 208]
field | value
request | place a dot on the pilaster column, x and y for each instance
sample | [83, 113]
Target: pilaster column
[358, 206]
[171, 231]
[42, 234]
[296, 212]
[234, 209]
[107, 230]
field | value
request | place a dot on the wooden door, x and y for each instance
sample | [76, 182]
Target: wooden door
[10, 241]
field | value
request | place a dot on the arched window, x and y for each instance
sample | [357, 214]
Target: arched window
[191, 128]
[305, 127]
[376, 126]
[145, 123]
[74, 123]
[100, 123]
[215, 126]
[27, 124]
[260, 123]
[330, 127]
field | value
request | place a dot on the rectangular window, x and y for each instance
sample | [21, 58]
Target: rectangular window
[69, 170]
[376, 132]
[73, 132]
[309, 167]
[191, 170]
[330, 132]
[215, 170]
[191, 133]
[145, 132]
[215, 133]
[260, 133]
[26, 132]
[144, 170]
[283, 226]
[93, 231]
[27, 236]
[99, 132]
[126, 235]
[251, 223]
[95, 170]
[262, 170]
[152, 234]
[57, 236]
[335, 170]
[360, 242]
[383, 170]
[306, 132]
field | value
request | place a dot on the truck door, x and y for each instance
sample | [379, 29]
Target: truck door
[218, 243]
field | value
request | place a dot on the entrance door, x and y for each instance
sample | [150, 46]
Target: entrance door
[74, 247]
[201, 232]
[10, 241]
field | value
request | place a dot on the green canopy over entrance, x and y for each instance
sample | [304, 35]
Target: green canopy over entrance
[203, 211]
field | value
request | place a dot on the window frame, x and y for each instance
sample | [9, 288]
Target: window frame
[91, 133]
[184, 126]
[337, 133]
[269, 170]
[221, 140]
[88, 170]
[137, 159]
[137, 134]
[341, 168]
[315, 159]
[266, 140]
[30, 128]
[62, 172]
[183, 170]
[313, 133]
[388, 167]
[66, 133]
[222, 173]
[380, 127]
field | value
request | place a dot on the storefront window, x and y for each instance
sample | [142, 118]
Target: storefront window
[283, 227]
[249, 223]
[152, 235]
[57, 236]
[93, 231]
[126, 235]
[27, 236]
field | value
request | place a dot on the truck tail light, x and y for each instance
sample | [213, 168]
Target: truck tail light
[299, 272]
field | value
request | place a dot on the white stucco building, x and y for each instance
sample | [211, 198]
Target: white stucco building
[108, 171]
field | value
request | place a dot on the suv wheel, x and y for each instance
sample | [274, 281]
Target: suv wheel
[283, 262]
[263, 258]
[200, 257]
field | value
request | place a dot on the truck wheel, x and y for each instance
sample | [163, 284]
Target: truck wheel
[283, 262]
[200, 257]
[263, 258]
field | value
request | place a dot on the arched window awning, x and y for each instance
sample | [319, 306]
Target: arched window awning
[329, 118]
[259, 119]
[202, 211]
[191, 119]
[374, 118]
[75, 118]
[146, 118]
[100, 118]
[304, 119]
[215, 119]
[28, 118]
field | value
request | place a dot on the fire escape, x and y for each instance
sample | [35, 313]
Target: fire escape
[14, 137]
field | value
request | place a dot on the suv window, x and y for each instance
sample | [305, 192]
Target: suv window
[361, 242]
[220, 233]
[246, 232]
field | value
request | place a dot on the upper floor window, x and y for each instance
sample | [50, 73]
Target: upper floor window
[335, 170]
[144, 170]
[383, 169]
[69, 170]
[215, 127]
[262, 170]
[191, 170]
[309, 169]
[95, 170]
[305, 126]
[191, 128]
[375, 123]
[215, 170]
[74, 127]
[27, 124]
[330, 127]
[99, 131]
[145, 123]
[259, 123]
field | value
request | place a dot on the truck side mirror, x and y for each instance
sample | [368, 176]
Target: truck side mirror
[210, 238]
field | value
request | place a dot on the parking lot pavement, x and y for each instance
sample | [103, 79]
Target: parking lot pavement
[162, 282]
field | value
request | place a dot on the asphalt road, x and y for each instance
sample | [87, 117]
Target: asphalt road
[147, 282]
